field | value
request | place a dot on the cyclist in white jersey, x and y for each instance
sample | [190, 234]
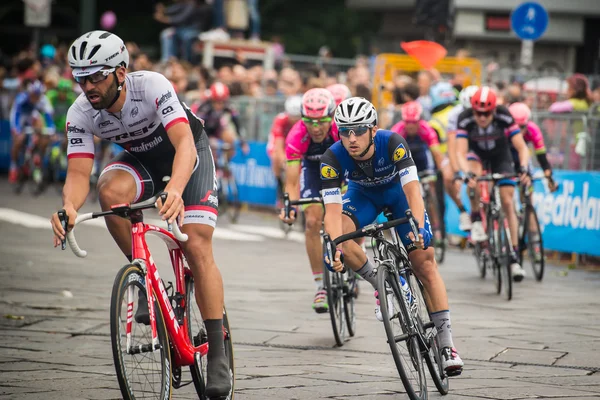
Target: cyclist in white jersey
[161, 137]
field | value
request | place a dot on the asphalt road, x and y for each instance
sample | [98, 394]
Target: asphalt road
[545, 343]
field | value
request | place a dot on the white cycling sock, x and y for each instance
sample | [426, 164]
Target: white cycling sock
[441, 319]
[369, 274]
[318, 277]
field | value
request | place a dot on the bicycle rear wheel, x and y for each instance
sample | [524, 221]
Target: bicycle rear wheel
[334, 286]
[198, 336]
[143, 372]
[350, 292]
[533, 242]
[431, 349]
[402, 337]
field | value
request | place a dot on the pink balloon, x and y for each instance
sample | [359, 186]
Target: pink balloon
[108, 20]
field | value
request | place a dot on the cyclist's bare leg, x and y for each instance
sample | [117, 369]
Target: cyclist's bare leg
[208, 280]
[17, 147]
[452, 186]
[475, 168]
[508, 205]
[426, 269]
[209, 296]
[354, 256]
[314, 219]
[116, 187]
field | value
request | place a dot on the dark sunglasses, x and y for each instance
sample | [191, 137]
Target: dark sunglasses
[483, 113]
[315, 122]
[99, 76]
[356, 130]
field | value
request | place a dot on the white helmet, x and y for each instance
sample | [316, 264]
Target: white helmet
[466, 94]
[355, 111]
[96, 49]
[293, 106]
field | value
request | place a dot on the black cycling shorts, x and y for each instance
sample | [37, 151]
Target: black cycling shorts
[200, 194]
[498, 164]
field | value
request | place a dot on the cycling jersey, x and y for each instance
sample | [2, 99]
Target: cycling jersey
[216, 121]
[60, 107]
[439, 122]
[279, 130]
[490, 145]
[151, 107]
[453, 119]
[23, 112]
[299, 145]
[372, 184]
[533, 134]
[420, 144]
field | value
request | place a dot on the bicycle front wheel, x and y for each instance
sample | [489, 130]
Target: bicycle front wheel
[198, 336]
[532, 239]
[334, 286]
[504, 259]
[431, 349]
[402, 336]
[350, 294]
[142, 372]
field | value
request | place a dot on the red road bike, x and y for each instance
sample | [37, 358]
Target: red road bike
[176, 336]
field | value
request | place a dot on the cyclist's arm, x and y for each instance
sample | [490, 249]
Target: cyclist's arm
[48, 113]
[409, 178]
[292, 179]
[15, 114]
[430, 136]
[182, 140]
[80, 154]
[465, 120]
[330, 171]
[521, 147]
[536, 136]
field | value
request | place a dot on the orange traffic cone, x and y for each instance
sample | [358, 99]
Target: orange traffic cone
[426, 53]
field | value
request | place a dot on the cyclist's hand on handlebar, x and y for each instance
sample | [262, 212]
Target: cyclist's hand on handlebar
[292, 217]
[525, 176]
[470, 180]
[59, 232]
[337, 264]
[173, 206]
[423, 241]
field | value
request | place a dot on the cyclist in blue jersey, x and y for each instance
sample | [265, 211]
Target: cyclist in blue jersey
[381, 174]
[31, 112]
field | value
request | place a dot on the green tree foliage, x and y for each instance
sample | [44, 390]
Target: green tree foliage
[306, 25]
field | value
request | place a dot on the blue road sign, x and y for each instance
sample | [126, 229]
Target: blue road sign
[529, 21]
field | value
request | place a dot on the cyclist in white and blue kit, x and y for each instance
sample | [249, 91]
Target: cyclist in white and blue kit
[381, 174]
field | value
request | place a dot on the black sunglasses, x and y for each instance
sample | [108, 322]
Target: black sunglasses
[356, 130]
[483, 113]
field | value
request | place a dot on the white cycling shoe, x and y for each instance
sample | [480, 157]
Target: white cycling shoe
[477, 232]
[464, 221]
[390, 300]
[517, 272]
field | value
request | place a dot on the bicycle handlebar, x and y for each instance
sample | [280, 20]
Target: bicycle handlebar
[287, 203]
[122, 210]
[495, 177]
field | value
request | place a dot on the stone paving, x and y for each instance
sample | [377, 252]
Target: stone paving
[545, 343]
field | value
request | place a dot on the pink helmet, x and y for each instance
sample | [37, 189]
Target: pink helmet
[520, 112]
[412, 111]
[340, 92]
[317, 103]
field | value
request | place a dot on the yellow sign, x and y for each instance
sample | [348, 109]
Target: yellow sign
[466, 71]
[399, 153]
[328, 172]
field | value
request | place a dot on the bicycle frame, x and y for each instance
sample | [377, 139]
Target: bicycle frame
[177, 330]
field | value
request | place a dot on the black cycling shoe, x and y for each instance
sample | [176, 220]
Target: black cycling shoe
[142, 315]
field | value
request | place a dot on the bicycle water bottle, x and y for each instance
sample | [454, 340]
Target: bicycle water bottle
[406, 289]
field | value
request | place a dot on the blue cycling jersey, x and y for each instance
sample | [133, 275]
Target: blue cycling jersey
[23, 111]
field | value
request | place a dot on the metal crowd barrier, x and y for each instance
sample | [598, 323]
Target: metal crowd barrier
[257, 115]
